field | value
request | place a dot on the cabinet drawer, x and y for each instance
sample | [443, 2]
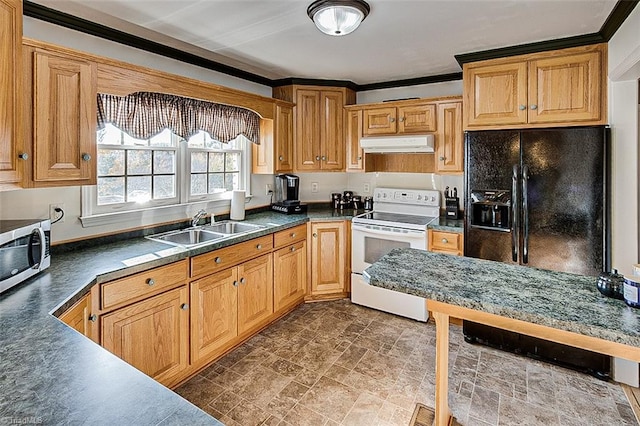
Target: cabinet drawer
[289, 236]
[447, 241]
[220, 259]
[142, 285]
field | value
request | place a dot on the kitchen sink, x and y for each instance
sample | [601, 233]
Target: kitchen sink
[188, 237]
[229, 228]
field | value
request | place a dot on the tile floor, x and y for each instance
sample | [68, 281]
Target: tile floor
[335, 363]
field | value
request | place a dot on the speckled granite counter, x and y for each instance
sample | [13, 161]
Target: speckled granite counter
[555, 299]
[449, 225]
[52, 375]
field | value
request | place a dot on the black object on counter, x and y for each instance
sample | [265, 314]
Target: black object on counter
[611, 284]
[289, 209]
[451, 206]
[368, 203]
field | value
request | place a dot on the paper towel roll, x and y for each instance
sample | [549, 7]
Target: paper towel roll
[237, 205]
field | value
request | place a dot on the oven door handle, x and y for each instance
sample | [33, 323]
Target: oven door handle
[367, 230]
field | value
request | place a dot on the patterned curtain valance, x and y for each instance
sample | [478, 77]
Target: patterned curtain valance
[144, 114]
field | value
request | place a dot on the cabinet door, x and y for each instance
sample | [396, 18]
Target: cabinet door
[255, 292]
[355, 154]
[449, 144]
[332, 131]
[307, 135]
[446, 242]
[77, 316]
[328, 257]
[152, 335]
[64, 119]
[214, 313]
[565, 89]
[495, 94]
[379, 121]
[417, 118]
[10, 91]
[284, 139]
[289, 275]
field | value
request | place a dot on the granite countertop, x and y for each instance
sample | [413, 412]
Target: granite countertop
[53, 375]
[556, 299]
[449, 225]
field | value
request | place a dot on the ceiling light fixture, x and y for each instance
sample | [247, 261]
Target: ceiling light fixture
[338, 17]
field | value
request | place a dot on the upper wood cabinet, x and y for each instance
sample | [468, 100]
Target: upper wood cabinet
[449, 140]
[409, 119]
[274, 154]
[319, 132]
[12, 156]
[355, 154]
[562, 88]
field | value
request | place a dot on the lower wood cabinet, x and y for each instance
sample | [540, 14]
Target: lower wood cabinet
[255, 292]
[289, 275]
[151, 335]
[79, 317]
[446, 242]
[329, 268]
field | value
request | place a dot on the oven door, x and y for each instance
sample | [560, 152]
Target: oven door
[370, 242]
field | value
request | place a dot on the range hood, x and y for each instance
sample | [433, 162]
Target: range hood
[398, 144]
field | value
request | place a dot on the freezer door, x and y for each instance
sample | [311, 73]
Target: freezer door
[563, 224]
[490, 158]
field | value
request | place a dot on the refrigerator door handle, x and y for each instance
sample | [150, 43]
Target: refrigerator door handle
[515, 234]
[525, 215]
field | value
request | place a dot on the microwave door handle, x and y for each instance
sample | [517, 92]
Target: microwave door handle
[525, 215]
[515, 234]
[41, 235]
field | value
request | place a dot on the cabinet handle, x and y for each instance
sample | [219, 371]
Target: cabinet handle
[445, 241]
[534, 106]
[86, 157]
[259, 246]
[218, 259]
[184, 306]
[235, 283]
[281, 158]
[315, 235]
[93, 317]
[242, 280]
[293, 248]
[522, 107]
[392, 120]
[441, 158]
[359, 158]
[23, 156]
[150, 282]
[317, 158]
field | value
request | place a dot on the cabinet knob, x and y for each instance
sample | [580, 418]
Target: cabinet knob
[218, 259]
[315, 235]
[150, 282]
[293, 248]
[235, 283]
[392, 120]
[401, 119]
[259, 246]
[441, 158]
[86, 157]
[445, 241]
[317, 158]
[23, 156]
[281, 158]
[184, 306]
[359, 158]
[324, 158]
[522, 107]
[242, 280]
[534, 106]
[293, 235]
[93, 317]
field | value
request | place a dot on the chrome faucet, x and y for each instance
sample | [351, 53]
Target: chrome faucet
[197, 217]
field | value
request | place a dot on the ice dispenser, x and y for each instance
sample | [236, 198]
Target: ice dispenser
[491, 209]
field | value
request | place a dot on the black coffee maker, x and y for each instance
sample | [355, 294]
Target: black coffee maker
[286, 195]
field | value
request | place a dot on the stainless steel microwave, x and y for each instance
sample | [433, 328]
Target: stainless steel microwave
[24, 250]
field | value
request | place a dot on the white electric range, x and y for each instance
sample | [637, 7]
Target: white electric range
[399, 219]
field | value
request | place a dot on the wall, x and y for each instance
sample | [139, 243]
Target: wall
[449, 88]
[624, 118]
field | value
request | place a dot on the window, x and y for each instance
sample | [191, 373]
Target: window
[165, 170]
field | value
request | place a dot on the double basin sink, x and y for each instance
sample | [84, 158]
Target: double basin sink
[205, 234]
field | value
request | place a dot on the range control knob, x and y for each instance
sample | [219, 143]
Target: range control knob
[433, 198]
[419, 197]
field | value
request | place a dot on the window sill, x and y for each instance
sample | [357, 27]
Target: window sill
[156, 215]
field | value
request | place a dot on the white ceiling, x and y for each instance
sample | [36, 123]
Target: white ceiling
[400, 39]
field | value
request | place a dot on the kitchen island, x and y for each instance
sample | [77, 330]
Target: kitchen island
[561, 307]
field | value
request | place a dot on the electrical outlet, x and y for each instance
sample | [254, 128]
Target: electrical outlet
[367, 188]
[314, 186]
[269, 189]
[54, 215]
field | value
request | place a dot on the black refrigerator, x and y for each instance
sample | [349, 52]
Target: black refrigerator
[539, 198]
